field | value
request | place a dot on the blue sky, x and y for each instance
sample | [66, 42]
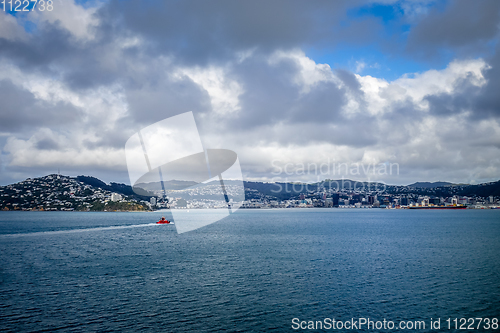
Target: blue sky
[378, 63]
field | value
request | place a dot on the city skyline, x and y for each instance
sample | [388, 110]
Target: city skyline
[287, 83]
[62, 193]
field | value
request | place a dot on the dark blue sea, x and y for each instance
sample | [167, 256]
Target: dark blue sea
[254, 271]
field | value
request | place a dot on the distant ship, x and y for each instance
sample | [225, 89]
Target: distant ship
[438, 207]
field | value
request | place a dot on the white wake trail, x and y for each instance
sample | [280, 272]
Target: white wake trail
[57, 232]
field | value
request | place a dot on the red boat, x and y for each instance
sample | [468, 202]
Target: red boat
[163, 221]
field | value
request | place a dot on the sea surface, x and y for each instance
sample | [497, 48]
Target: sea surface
[254, 271]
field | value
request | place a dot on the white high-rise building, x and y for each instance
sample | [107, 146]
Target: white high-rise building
[116, 197]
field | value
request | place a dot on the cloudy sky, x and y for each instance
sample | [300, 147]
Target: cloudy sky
[279, 82]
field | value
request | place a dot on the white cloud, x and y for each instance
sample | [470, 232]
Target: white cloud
[442, 81]
[360, 65]
[107, 104]
[381, 95]
[372, 87]
[224, 93]
[72, 145]
[309, 74]
[74, 18]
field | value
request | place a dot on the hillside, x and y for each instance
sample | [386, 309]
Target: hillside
[482, 190]
[57, 192]
[114, 187]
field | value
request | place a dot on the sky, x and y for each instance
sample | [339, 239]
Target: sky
[289, 86]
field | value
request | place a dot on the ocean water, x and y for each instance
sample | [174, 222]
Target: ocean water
[254, 271]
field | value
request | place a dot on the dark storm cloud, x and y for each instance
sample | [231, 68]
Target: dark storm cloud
[269, 91]
[349, 132]
[487, 102]
[50, 44]
[349, 79]
[52, 50]
[271, 95]
[352, 84]
[321, 105]
[211, 31]
[47, 144]
[462, 99]
[462, 24]
[361, 131]
[165, 98]
[20, 109]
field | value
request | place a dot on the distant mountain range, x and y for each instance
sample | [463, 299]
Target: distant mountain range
[430, 185]
[169, 185]
[172, 185]
[285, 191]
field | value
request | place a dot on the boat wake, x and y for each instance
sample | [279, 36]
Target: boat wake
[57, 232]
